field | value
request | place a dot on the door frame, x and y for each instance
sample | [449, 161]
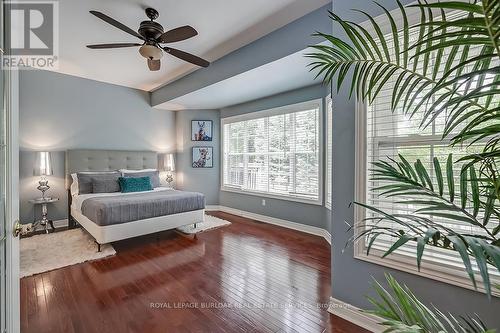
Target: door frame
[12, 283]
[13, 316]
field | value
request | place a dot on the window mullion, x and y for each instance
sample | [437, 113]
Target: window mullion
[266, 158]
[245, 155]
[293, 154]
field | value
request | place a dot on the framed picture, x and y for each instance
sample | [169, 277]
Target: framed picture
[203, 157]
[201, 130]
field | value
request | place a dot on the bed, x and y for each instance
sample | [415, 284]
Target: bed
[110, 217]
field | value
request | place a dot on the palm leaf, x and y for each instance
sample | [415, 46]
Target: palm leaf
[400, 178]
[402, 311]
[471, 28]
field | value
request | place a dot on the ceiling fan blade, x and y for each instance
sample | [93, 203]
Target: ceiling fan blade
[112, 46]
[154, 65]
[177, 34]
[115, 23]
[187, 57]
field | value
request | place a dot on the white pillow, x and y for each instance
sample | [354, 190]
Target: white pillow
[136, 171]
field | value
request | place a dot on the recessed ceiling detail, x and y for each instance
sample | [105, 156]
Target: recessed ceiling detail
[223, 26]
[279, 76]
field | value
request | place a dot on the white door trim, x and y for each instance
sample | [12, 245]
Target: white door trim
[12, 206]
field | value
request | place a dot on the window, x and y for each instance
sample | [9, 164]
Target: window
[274, 153]
[382, 134]
[329, 138]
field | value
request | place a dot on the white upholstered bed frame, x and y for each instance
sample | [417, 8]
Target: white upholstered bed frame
[106, 160]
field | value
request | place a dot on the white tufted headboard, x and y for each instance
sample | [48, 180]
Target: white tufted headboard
[105, 160]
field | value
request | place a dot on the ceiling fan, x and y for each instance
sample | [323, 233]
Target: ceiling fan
[152, 35]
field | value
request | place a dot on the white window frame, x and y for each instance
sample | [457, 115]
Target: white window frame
[430, 269]
[316, 103]
[328, 153]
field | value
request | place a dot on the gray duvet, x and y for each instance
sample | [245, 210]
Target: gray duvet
[131, 207]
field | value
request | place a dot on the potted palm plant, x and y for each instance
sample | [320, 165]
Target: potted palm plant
[462, 83]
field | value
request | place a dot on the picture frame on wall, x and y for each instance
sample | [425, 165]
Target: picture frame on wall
[203, 157]
[202, 130]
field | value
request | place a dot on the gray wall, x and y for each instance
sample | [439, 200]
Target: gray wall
[59, 112]
[313, 215]
[205, 180]
[351, 277]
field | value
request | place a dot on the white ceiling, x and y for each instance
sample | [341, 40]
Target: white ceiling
[223, 26]
[282, 75]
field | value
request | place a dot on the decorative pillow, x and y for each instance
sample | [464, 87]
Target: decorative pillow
[153, 175]
[85, 180]
[74, 177]
[135, 184]
[105, 186]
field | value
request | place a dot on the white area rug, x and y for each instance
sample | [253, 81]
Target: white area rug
[42, 253]
[211, 222]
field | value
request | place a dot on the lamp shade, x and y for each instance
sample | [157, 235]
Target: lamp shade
[151, 52]
[43, 164]
[168, 162]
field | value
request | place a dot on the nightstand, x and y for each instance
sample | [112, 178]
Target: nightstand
[45, 222]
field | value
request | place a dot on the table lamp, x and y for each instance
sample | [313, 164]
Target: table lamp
[169, 167]
[43, 168]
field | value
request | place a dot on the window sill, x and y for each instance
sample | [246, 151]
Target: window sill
[449, 275]
[317, 202]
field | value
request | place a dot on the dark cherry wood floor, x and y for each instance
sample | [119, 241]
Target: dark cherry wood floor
[247, 277]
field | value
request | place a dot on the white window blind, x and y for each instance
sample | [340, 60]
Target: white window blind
[274, 152]
[329, 162]
[385, 134]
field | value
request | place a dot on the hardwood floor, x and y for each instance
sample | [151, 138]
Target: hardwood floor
[246, 277]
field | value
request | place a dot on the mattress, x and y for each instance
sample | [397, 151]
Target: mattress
[115, 208]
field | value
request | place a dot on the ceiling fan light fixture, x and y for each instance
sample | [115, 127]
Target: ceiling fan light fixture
[152, 34]
[151, 52]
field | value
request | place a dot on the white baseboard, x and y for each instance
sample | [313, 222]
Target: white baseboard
[60, 223]
[327, 236]
[57, 224]
[355, 315]
[212, 207]
[276, 221]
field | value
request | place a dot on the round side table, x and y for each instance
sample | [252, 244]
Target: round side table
[45, 222]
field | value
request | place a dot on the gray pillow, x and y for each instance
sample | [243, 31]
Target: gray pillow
[105, 186]
[154, 176]
[85, 180]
